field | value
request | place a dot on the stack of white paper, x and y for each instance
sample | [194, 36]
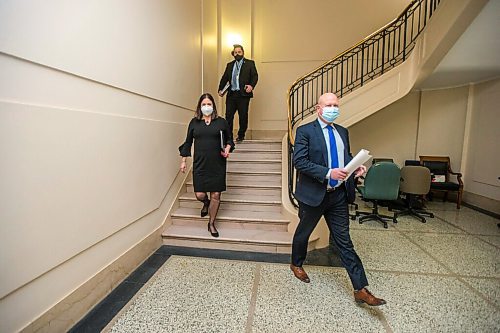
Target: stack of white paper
[357, 161]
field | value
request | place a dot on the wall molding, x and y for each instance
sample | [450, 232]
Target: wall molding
[94, 81]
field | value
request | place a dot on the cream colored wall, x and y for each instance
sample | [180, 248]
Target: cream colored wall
[390, 132]
[421, 123]
[442, 124]
[483, 157]
[290, 41]
[94, 100]
[210, 48]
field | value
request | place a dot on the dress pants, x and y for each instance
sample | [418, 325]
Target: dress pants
[336, 212]
[236, 102]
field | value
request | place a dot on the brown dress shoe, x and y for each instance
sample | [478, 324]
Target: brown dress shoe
[300, 273]
[364, 296]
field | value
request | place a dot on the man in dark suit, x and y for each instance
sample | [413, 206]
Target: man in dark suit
[242, 77]
[320, 155]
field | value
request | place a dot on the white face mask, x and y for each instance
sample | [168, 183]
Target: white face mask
[207, 110]
[330, 113]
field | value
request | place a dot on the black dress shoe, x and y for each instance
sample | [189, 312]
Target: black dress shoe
[204, 210]
[238, 139]
[214, 234]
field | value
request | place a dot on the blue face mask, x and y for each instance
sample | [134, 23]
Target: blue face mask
[330, 113]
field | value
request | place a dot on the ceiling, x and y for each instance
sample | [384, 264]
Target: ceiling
[475, 57]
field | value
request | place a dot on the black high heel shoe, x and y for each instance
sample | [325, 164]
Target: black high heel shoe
[204, 210]
[214, 234]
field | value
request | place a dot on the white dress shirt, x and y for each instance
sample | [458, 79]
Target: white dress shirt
[340, 149]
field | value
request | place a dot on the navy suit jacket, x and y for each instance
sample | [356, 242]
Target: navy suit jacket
[248, 75]
[310, 158]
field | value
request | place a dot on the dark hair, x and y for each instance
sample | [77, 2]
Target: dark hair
[199, 114]
[235, 46]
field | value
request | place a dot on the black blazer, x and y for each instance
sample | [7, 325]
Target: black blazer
[310, 158]
[248, 75]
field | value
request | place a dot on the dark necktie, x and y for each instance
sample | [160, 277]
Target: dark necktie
[333, 154]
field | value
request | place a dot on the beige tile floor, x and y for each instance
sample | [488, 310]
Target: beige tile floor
[441, 276]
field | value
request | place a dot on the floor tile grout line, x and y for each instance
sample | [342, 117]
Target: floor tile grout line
[463, 232]
[484, 297]
[494, 245]
[253, 300]
[436, 215]
[385, 323]
[453, 275]
[413, 231]
[467, 232]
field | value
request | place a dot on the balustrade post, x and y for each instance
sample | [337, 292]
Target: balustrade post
[362, 62]
[404, 38]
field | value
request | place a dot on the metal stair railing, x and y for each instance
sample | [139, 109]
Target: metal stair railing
[367, 60]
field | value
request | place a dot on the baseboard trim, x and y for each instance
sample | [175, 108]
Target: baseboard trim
[481, 210]
[62, 316]
[482, 204]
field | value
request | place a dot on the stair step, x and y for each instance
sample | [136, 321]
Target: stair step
[234, 219]
[230, 239]
[244, 150]
[254, 178]
[259, 144]
[238, 187]
[243, 202]
[255, 155]
[254, 165]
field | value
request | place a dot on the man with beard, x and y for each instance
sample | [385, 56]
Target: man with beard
[241, 76]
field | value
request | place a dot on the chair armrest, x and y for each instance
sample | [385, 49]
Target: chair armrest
[459, 177]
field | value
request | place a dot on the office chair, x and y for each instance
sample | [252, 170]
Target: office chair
[381, 183]
[415, 182]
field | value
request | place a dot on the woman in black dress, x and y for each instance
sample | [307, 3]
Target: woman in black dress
[212, 145]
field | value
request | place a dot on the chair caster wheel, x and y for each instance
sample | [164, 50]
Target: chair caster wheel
[432, 216]
[360, 222]
[353, 217]
[385, 226]
[394, 221]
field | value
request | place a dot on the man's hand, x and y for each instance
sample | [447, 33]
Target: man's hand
[220, 93]
[248, 88]
[360, 171]
[183, 166]
[338, 174]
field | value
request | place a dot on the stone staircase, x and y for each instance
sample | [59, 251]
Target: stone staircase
[250, 216]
